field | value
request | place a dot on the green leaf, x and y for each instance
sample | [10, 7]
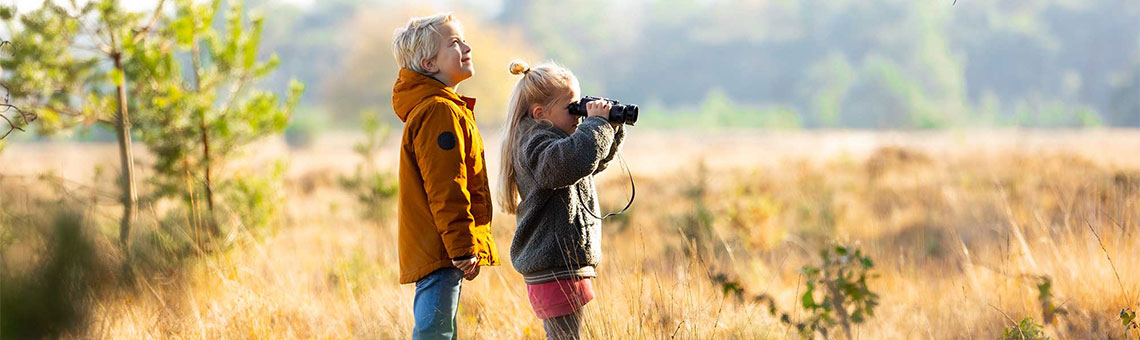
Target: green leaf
[296, 89]
[263, 69]
[252, 41]
[228, 56]
[117, 77]
[808, 300]
[223, 127]
[183, 29]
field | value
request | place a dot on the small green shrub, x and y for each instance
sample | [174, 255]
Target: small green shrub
[374, 190]
[841, 283]
[837, 294]
[1128, 320]
[1025, 330]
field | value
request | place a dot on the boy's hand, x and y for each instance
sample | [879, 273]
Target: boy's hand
[599, 108]
[473, 273]
[468, 266]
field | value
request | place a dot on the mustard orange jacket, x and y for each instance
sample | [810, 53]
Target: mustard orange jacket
[444, 197]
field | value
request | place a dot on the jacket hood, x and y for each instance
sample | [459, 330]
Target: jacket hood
[412, 88]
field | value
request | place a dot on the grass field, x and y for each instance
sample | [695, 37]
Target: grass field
[963, 228]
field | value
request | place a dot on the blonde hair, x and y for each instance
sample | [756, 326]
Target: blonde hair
[545, 85]
[418, 41]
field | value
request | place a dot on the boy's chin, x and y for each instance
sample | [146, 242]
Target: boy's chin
[464, 74]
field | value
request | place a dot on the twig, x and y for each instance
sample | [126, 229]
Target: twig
[154, 18]
[1114, 272]
[1015, 325]
[26, 117]
[10, 124]
[1015, 228]
[716, 322]
[234, 94]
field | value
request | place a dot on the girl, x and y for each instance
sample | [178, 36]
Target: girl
[549, 162]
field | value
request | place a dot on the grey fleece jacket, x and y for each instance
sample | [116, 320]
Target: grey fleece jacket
[556, 238]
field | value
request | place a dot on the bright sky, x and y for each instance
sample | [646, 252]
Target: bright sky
[488, 6]
[135, 5]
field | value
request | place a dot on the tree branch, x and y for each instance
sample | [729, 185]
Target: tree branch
[11, 126]
[101, 49]
[233, 95]
[153, 19]
[26, 117]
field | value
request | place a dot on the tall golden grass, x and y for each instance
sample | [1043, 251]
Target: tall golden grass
[962, 227]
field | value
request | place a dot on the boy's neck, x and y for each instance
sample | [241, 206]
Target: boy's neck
[446, 82]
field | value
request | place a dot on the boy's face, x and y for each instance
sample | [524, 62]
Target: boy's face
[452, 63]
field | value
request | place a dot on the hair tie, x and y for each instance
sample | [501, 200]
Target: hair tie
[519, 67]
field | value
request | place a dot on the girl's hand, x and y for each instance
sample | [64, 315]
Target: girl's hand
[599, 108]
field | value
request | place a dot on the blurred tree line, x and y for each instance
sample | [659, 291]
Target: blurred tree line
[761, 63]
[811, 63]
[865, 64]
[342, 49]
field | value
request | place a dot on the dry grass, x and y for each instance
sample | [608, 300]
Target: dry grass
[961, 225]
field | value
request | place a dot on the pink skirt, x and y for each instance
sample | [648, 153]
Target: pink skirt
[558, 298]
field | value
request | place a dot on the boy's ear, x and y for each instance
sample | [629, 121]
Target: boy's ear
[428, 65]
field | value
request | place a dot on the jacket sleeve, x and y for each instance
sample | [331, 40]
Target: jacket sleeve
[619, 136]
[561, 162]
[439, 146]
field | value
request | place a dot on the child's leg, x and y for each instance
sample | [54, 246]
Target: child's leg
[437, 297]
[566, 327]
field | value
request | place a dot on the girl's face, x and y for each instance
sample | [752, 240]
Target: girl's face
[559, 113]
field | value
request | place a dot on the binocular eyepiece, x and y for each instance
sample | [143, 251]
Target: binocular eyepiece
[619, 113]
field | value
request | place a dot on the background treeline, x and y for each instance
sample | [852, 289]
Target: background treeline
[775, 64]
[811, 64]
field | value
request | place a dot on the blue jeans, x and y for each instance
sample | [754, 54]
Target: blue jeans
[437, 298]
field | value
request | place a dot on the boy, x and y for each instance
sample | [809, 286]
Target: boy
[444, 202]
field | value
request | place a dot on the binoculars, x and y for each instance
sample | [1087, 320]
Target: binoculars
[619, 113]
